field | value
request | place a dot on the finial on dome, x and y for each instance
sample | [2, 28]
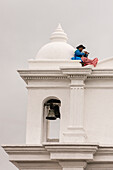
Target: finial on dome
[59, 35]
[59, 26]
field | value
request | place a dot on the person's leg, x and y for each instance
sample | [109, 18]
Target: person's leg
[88, 61]
[95, 61]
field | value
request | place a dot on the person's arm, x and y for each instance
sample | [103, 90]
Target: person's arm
[78, 53]
[85, 55]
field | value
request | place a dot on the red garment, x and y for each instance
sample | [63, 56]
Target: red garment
[87, 61]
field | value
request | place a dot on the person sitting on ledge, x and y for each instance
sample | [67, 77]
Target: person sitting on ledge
[83, 56]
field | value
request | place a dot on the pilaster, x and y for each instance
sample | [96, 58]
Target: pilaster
[75, 130]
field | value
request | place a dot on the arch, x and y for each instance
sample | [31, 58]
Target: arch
[51, 128]
[49, 98]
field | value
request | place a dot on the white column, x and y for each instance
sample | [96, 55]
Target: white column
[76, 107]
[72, 165]
[76, 132]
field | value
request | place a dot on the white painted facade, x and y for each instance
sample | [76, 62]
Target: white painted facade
[85, 129]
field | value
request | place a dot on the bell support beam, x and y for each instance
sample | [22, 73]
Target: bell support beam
[75, 130]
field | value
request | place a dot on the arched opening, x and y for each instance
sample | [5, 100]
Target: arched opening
[52, 117]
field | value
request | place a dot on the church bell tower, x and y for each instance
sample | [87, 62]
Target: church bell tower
[54, 85]
[65, 118]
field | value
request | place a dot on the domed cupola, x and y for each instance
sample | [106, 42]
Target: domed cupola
[58, 48]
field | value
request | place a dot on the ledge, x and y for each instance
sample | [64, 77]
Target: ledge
[66, 73]
[90, 152]
[52, 63]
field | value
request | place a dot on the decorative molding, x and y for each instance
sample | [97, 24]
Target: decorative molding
[46, 86]
[39, 165]
[104, 154]
[76, 86]
[39, 72]
[98, 87]
[100, 77]
[100, 166]
[71, 86]
[77, 76]
[48, 153]
[66, 73]
[27, 78]
[43, 77]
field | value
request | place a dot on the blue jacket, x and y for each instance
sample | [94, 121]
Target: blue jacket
[78, 55]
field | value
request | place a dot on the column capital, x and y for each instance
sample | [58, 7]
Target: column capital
[76, 75]
[76, 72]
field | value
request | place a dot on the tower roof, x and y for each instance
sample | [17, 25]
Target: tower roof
[57, 48]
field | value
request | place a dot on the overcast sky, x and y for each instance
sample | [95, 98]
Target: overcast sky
[25, 26]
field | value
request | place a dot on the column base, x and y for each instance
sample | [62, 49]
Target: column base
[75, 135]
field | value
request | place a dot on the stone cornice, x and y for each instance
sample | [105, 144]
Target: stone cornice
[66, 73]
[101, 74]
[32, 77]
[100, 77]
[41, 75]
[104, 154]
[98, 86]
[23, 149]
[71, 147]
[50, 152]
[46, 86]
[56, 151]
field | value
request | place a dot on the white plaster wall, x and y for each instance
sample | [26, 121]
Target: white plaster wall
[36, 97]
[99, 111]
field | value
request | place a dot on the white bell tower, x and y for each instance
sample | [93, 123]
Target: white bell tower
[52, 76]
[79, 99]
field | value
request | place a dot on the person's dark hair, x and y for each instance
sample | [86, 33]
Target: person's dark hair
[80, 46]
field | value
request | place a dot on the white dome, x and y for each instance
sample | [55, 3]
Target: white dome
[58, 48]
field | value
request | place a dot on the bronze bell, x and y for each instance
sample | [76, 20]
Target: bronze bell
[57, 111]
[51, 115]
